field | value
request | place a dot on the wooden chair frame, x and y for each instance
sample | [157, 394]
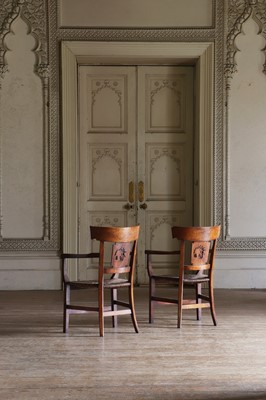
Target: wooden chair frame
[184, 278]
[113, 283]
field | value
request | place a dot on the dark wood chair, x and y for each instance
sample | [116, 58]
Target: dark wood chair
[197, 247]
[116, 274]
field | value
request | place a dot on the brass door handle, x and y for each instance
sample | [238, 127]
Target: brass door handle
[143, 206]
[131, 194]
[128, 206]
[141, 191]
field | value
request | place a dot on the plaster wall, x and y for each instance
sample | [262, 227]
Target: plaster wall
[30, 130]
[137, 13]
[247, 136]
[22, 141]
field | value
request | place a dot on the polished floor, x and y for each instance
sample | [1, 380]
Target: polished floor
[199, 362]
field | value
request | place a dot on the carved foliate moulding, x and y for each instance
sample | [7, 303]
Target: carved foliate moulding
[239, 11]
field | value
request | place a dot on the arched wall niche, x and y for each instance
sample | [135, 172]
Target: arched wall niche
[239, 14]
[35, 15]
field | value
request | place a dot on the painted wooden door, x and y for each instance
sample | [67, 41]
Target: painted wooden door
[136, 154]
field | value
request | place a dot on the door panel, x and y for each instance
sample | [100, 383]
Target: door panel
[107, 150]
[136, 154]
[165, 157]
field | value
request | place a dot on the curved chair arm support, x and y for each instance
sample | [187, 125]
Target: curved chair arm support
[161, 252]
[149, 253]
[66, 256]
[81, 255]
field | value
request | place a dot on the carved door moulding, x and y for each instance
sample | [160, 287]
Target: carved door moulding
[79, 52]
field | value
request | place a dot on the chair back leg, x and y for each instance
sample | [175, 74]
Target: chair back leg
[133, 313]
[114, 306]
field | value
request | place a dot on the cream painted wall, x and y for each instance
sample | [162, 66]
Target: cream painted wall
[248, 136]
[29, 257]
[135, 13]
[22, 138]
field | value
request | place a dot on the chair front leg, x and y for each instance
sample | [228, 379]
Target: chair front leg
[198, 300]
[114, 306]
[211, 296]
[180, 303]
[101, 309]
[66, 311]
[151, 302]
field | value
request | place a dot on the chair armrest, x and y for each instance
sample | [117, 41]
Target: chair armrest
[81, 255]
[74, 256]
[148, 252]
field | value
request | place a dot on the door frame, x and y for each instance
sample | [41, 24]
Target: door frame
[75, 53]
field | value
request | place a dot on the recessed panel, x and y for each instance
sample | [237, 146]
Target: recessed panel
[136, 13]
[106, 103]
[165, 171]
[107, 171]
[165, 103]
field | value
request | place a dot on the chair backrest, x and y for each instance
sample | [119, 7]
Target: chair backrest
[124, 245]
[200, 243]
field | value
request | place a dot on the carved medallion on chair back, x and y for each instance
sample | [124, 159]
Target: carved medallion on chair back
[200, 253]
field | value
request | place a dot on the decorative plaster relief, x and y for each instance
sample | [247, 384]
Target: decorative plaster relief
[156, 221]
[107, 219]
[238, 12]
[21, 121]
[35, 15]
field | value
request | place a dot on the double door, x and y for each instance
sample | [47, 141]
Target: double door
[136, 154]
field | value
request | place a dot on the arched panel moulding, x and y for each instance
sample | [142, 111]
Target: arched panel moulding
[35, 16]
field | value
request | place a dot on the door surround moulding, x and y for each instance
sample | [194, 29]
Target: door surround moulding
[74, 53]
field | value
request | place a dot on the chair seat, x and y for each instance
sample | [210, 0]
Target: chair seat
[82, 284]
[116, 282]
[195, 278]
[108, 283]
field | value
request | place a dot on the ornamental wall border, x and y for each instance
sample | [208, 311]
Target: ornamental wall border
[238, 11]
